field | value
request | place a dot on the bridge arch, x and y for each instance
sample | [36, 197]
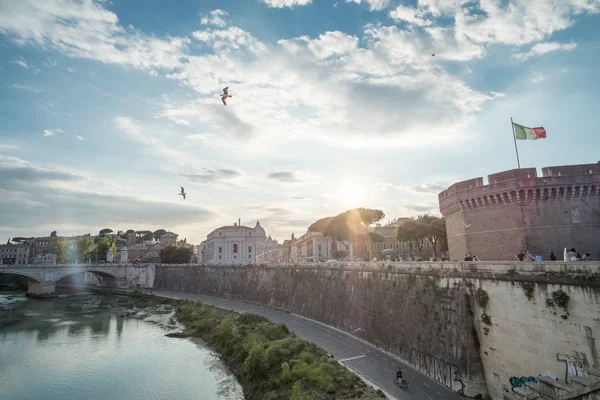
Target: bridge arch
[23, 274]
[97, 272]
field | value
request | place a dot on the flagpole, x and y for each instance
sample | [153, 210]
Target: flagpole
[515, 139]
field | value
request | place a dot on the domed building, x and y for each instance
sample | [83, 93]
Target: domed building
[234, 244]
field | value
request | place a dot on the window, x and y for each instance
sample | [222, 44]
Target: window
[220, 256]
[249, 249]
[235, 248]
[220, 251]
[319, 248]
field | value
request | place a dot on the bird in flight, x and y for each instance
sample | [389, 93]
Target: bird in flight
[466, 226]
[225, 95]
[183, 193]
[433, 55]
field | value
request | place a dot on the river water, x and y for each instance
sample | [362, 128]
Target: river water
[82, 348]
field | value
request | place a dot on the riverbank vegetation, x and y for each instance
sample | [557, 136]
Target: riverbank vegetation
[270, 362]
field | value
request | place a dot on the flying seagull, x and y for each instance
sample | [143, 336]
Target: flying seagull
[225, 95]
[466, 226]
[183, 193]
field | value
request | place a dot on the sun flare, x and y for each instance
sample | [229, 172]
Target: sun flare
[352, 195]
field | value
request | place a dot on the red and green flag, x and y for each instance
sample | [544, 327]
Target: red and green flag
[524, 133]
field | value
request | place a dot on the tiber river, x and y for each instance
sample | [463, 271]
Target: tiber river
[79, 348]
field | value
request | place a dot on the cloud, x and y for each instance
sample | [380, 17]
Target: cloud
[51, 132]
[537, 77]
[543, 48]
[27, 88]
[379, 88]
[220, 176]
[21, 62]
[410, 15]
[8, 146]
[433, 188]
[496, 22]
[127, 125]
[420, 207]
[31, 195]
[374, 5]
[79, 137]
[215, 18]
[71, 70]
[286, 3]
[86, 30]
[287, 177]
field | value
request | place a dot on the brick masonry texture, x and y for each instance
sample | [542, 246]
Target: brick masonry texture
[519, 210]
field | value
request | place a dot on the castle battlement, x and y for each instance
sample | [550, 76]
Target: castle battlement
[517, 209]
[519, 185]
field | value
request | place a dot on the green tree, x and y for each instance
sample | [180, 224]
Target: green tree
[84, 247]
[105, 231]
[412, 231]
[58, 246]
[158, 233]
[435, 232]
[173, 254]
[53, 234]
[148, 236]
[105, 243]
[352, 225]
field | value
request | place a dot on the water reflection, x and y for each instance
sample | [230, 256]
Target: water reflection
[83, 348]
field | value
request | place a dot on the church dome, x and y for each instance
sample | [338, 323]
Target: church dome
[259, 229]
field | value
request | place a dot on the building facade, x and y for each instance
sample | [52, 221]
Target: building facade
[14, 254]
[234, 244]
[393, 249]
[313, 247]
[517, 210]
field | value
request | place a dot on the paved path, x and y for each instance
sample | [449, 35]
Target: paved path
[366, 360]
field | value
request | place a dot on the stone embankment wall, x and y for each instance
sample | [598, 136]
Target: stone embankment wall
[435, 316]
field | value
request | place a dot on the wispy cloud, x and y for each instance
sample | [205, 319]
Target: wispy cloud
[286, 3]
[434, 188]
[411, 15]
[31, 195]
[8, 146]
[27, 88]
[51, 132]
[79, 137]
[374, 5]
[287, 177]
[544, 48]
[217, 177]
[21, 62]
[215, 17]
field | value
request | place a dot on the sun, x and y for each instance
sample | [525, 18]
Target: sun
[352, 195]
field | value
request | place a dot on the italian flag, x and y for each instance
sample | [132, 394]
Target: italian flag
[524, 133]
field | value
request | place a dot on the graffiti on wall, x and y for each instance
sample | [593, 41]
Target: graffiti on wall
[520, 382]
[444, 373]
[574, 366]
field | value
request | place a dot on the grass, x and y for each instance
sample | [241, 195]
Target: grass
[269, 361]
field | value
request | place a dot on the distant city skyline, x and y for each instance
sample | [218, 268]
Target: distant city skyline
[108, 107]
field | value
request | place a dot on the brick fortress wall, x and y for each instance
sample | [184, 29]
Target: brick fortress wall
[519, 210]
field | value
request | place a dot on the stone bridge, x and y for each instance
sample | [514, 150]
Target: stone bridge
[43, 278]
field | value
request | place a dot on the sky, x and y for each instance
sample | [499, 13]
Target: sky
[108, 107]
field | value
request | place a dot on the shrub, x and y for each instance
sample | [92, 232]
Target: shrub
[482, 298]
[528, 288]
[256, 365]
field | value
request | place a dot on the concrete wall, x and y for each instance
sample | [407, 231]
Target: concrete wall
[428, 314]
